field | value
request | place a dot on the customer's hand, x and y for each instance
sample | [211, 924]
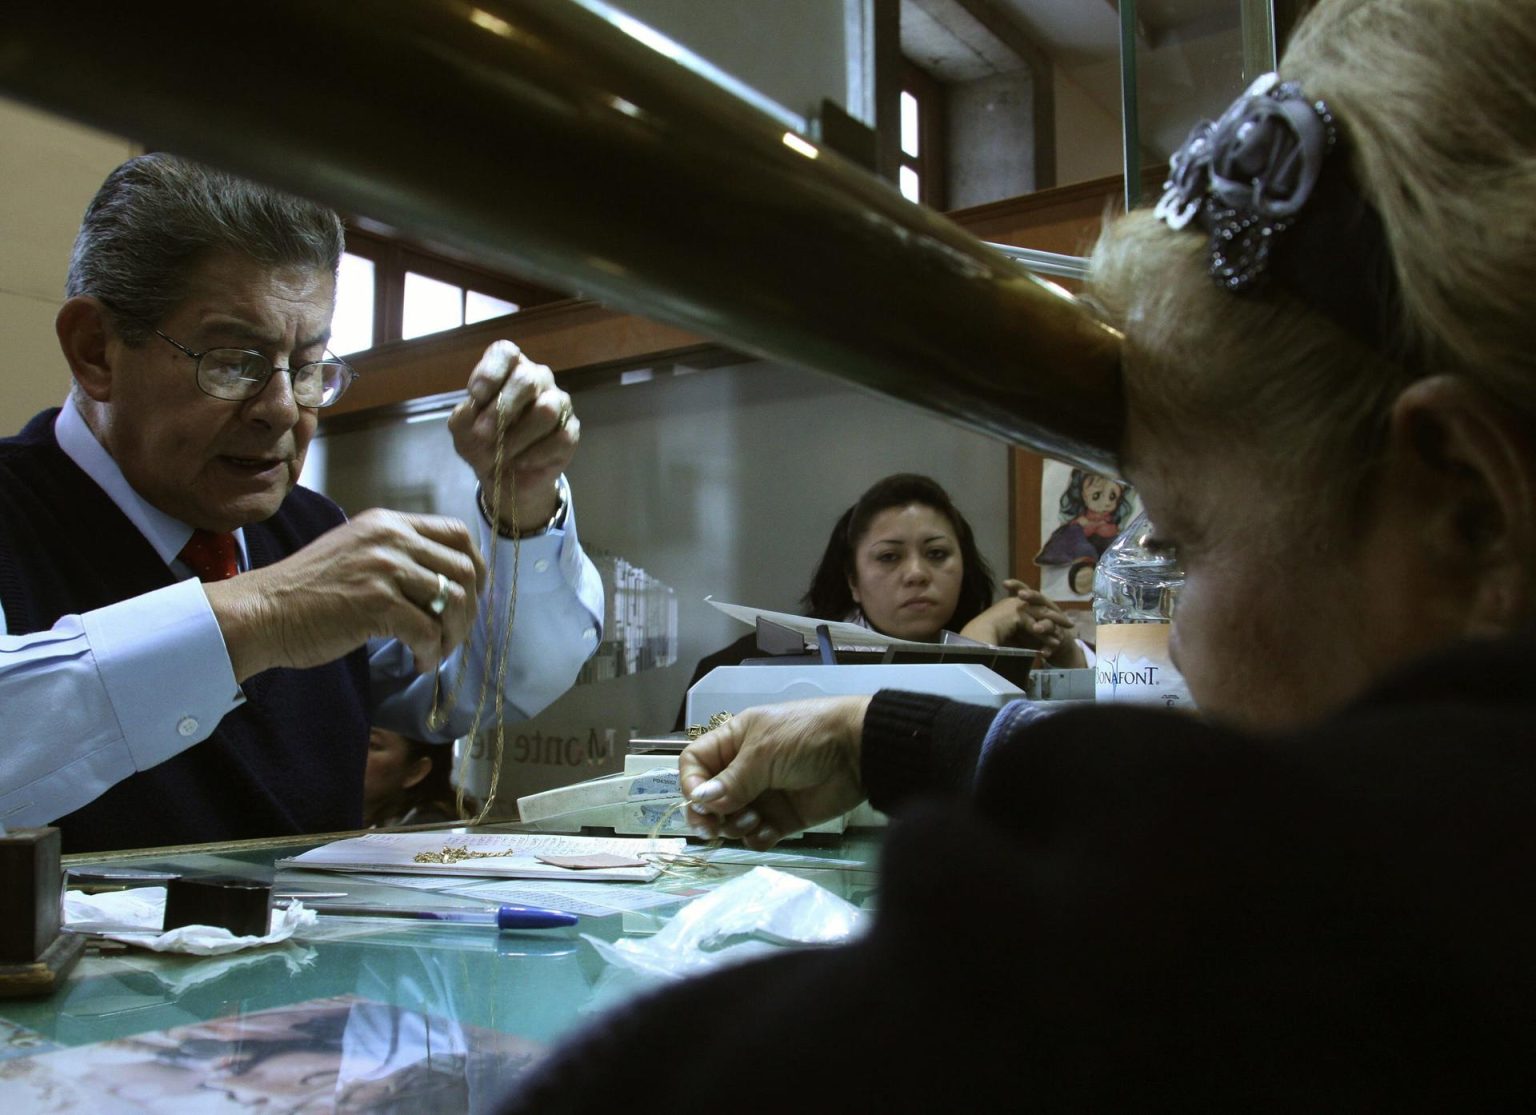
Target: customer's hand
[772, 771]
[507, 389]
[1026, 617]
[377, 575]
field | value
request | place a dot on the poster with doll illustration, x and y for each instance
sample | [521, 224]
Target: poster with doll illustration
[1080, 515]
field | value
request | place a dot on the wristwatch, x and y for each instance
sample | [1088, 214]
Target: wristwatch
[555, 520]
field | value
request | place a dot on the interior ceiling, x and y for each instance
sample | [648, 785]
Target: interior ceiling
[964, 35]
[958, 40]
[1189, 51]
[1073, 31]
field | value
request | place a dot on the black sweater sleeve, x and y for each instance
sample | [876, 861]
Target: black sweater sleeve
[917, 745]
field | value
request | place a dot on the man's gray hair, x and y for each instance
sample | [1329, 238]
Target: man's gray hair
[157, 216]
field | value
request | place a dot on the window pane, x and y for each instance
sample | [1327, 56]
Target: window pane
[909, 124]
[907, 179]
[352, 327]
[430, 306]
[482, 307]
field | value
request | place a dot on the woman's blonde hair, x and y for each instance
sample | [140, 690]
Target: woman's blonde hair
[1436, 100]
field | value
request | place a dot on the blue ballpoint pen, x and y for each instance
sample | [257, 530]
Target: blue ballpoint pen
[502, 917]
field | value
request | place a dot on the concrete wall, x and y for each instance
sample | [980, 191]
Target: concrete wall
[991, 137]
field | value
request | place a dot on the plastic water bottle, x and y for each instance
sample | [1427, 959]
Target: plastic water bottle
[1135, 590]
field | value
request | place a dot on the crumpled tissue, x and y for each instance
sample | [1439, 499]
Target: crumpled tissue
[134, 916]
[285, 959]
[750, 916]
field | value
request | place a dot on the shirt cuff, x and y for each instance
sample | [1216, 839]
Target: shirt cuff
[165, 669]
[528, 530]
[547, 562]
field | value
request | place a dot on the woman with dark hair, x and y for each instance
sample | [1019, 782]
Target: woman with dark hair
[834, 592]
[903, 561]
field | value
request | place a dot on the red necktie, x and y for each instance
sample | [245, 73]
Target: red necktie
[211, 556]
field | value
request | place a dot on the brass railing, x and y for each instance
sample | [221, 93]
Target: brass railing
[538, 135]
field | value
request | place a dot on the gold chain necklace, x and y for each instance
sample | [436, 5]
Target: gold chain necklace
[456, 853]
[497, 660]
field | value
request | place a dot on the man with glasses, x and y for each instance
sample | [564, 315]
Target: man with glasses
[192, 647]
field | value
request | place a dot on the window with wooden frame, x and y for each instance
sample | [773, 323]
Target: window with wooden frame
[390, 290]
[921, 173]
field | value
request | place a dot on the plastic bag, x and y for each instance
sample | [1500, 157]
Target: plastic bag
[758, 913]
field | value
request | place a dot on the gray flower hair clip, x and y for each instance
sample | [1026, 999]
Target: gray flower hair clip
[1247, 176]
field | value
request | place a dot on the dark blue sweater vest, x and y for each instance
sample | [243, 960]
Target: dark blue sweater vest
[289, 760]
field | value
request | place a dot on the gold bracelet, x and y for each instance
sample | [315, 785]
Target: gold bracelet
[555, 520]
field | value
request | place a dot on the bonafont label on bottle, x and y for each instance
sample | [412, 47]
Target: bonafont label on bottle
[1134, 667]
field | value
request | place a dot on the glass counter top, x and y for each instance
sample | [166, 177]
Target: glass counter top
[493, 1000]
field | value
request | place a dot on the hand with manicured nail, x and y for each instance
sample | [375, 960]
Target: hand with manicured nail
[772, 771]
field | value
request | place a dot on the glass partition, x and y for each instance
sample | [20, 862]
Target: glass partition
[1182, 61]
[1029, 103]
[886, 294]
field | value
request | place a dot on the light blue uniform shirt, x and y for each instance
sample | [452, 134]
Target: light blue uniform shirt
[122, 688]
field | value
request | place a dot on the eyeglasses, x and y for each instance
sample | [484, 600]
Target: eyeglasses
[239, 373]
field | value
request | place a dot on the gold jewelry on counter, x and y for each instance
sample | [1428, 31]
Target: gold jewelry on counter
[457, 853]
[680, 863]
[694, 731]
